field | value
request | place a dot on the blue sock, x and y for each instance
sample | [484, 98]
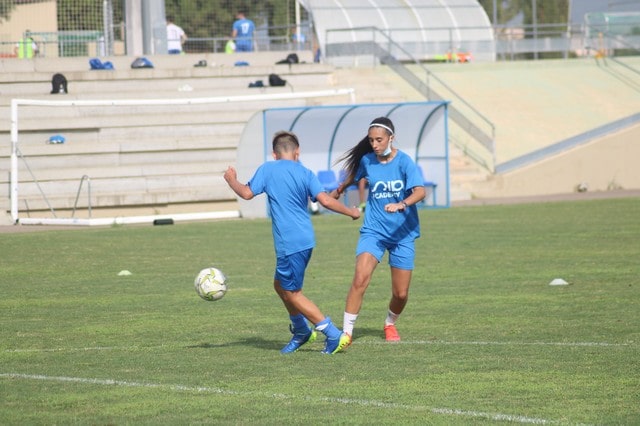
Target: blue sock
[300, 325]
[329, 330]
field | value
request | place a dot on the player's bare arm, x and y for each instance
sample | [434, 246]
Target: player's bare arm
[243, 191]
[331, 203]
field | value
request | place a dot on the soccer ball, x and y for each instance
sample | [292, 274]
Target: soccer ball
[211, 284]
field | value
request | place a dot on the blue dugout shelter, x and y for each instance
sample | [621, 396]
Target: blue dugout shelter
[327, 132]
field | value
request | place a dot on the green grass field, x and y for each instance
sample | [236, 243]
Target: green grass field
[485, 338]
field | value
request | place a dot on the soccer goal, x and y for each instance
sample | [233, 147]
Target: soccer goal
[73, 159]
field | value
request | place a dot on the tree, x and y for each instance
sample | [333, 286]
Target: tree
[213, 19]
[506, 10]
[6, 7]
[547, 11]
[201, 18]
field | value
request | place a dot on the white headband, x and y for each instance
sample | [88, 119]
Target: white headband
[389, 129]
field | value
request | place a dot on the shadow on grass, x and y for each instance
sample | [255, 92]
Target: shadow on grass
[271, 345]
[257, 342]
[359, 333]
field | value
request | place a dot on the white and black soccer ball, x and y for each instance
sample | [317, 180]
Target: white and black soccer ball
[211, 284]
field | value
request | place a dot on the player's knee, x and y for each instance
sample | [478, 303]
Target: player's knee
[360, 283]
[401, 294]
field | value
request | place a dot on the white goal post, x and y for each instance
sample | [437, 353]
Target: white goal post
[14, 183]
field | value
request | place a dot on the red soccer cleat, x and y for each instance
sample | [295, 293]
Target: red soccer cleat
[391, 334]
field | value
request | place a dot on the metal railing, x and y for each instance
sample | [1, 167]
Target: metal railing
[386, 51]
[562, 40]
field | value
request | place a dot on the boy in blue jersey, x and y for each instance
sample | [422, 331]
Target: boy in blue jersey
[289, 185]
[242, 33]
[391, 221]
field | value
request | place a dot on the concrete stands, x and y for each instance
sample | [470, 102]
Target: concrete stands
[135, 157]
[157, 159]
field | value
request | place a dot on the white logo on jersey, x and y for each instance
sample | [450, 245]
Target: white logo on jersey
[388, 189]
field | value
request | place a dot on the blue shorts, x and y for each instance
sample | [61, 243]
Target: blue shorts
[244, 46]
[290, 269]
[401, 254]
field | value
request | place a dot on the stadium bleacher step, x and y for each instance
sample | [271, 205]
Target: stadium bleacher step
[103, 141]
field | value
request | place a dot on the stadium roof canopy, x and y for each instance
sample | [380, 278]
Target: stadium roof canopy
[425, 29]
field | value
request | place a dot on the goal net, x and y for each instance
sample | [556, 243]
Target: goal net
[120, 161]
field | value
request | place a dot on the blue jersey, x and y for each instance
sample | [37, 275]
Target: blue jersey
[244, 33]
[390, 183]
[288, 185]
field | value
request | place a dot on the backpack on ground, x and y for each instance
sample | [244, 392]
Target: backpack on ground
[292, 58]
[141, 63]
[275, 80]
[58, 84]
[97, 64]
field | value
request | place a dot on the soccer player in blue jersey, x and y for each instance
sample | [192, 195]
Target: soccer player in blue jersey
[288, 186]
[242, 32]
[390, 223]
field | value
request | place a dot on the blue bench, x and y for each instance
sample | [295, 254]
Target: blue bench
[430, 187]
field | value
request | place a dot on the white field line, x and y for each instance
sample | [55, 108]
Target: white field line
[87, 349]
[345, 401]
[480, 343]
[356, 342]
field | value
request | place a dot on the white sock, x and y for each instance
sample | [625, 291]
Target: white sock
[391, 318]
[348, 323]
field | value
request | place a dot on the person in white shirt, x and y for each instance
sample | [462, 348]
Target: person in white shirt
[175, 37]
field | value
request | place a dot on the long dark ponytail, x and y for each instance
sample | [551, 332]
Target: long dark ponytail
[352, 157]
